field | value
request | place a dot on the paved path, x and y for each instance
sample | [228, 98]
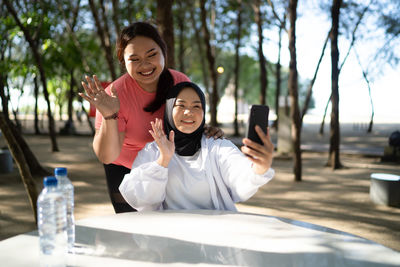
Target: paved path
[354, 138]
[337, 199]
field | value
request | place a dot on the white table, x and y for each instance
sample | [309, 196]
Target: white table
[204, 238]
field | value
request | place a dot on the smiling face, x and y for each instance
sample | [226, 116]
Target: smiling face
[187, 112]
[144, 62]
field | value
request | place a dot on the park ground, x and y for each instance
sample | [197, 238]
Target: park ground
[336, 199]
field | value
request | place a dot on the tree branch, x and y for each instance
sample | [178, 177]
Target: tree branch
[353, 39]
[310, 86]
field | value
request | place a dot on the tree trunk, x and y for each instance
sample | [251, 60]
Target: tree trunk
[16, 110]
[334, 149]
[322, 126]
[39, 65]
[21, 162]
[365, 75]
[278, 75]
[33, 164]
[36, 93]
[166, 25]
[92, 128]
[69, 127]
[237, 65]
[115, 8]
[71, 30]
[71, 96]
[104, 39]
[293, 91]
[310, 86]
[181, 25]
[115, 18]
[3, 81]
[88, 120]
[263, 69]
[4, 98]
[199, 42]
[211, 66]
[51, 125]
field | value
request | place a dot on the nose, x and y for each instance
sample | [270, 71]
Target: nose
[144, 62]
[187, 111]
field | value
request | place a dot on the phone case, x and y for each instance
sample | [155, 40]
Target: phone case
[258, 115]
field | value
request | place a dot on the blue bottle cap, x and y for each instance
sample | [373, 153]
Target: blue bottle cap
[60, 171]
[50, 181]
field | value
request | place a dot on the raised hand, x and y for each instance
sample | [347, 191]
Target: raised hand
[260, 155]
[106, 104]
[165, 145]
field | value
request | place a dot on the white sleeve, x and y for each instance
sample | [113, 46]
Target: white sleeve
[144, 187]
[237, 172]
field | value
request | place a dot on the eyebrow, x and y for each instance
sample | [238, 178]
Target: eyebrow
[150, 50]
[181, 100]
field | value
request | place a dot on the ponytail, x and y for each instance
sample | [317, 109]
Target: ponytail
[165, 83]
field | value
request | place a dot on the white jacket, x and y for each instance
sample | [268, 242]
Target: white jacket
[228, 171]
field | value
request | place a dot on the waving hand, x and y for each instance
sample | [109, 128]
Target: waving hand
[106, 104]
[165, 145]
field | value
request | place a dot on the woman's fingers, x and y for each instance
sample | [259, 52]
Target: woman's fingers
[85, 97]
[219, 133]
[88, 90]
[93, 89]
[253, 152]
[171, 136]
[252, 145]
[113, 91]
[91, 84]
[212, 131]
[256, 150]
[152, 134]
[265, 137]
[153, 131]
[157, 128]
[261, 134]
[99, 87]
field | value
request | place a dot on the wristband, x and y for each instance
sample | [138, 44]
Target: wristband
[112, 117]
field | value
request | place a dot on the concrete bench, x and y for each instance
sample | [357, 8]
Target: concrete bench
[385, 189]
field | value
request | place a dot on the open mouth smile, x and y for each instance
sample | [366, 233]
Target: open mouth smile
[147, 73]
[187, 122]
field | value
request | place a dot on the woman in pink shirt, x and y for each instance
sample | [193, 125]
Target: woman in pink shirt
[126, 107]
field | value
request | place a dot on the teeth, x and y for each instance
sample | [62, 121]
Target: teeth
[147, 73]
[188, 121]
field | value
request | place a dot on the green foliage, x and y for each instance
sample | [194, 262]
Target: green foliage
[45, 21]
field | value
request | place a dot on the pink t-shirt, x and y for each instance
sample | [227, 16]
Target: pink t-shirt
[132, 119]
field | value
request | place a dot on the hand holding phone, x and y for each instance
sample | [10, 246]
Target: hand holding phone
[259, 150]
[258, 115]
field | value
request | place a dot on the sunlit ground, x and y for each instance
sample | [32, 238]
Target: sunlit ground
[336, 199]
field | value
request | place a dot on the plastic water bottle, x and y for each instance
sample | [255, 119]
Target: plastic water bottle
[52, 224]
[66, 187]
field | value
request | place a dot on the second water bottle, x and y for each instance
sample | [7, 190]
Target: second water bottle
[67, 189]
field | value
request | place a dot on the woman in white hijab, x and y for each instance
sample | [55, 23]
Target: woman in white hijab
[185, 170]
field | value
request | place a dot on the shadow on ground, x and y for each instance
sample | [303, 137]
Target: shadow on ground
[336, 199]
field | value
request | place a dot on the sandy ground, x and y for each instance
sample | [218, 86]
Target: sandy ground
[337, 199]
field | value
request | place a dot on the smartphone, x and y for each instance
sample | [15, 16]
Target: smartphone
[258, 115]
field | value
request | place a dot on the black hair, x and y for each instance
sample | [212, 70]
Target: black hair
[166, 80]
